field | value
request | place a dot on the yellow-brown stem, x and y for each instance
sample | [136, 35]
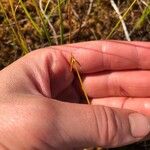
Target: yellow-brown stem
[73, 64]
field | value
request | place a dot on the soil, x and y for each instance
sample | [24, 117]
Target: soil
[99, 24]
[78, 26]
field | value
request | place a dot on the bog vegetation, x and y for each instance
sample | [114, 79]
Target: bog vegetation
[30, 24]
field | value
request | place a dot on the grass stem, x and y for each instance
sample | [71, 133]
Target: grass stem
[43, 21]
[118, 23]
[35, 25]
[61, 22]
[73, 63]
[143, 17]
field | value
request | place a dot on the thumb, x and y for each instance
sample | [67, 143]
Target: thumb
[86, 126]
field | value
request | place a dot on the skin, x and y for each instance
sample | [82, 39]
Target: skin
[39, 97]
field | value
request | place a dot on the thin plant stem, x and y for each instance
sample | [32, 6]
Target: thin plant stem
[143, 17]
[54, 8]
[19, 33]
[122, 21]
[43, 21]
[47, 4]
[61, 22]
[73, 63]
[37, 28]
[69, 19]
[48, 21]
[15, 35]
[118, 23]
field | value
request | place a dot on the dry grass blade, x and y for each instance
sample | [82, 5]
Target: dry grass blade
[121, 19]
[35, 25]
[19, 33]
[48, 21]
[73, 64]
[143, 17]
[43, 21]
[15, 35]
[54, 8]
[61, 22]
[87, 14]
[118, 23]
[69, 19]
[47, 4]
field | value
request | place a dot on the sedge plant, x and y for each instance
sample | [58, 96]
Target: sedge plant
[73, 65]
[44, 23]
[61, 22]
[17, 35]
[18, 32]
[118, 23]
[34, 24]
[143, 18]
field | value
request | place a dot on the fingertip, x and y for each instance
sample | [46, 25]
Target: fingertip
[139, 124]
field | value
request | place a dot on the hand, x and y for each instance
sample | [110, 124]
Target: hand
[39, 96]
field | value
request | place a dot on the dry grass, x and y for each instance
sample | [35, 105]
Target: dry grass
[66, 21]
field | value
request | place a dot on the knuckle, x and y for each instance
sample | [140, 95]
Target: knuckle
[113, 84]
[107, 127]
[137, 56]
[106, 59]
[114, 124]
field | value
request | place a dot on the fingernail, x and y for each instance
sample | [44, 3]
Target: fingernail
[139, 124]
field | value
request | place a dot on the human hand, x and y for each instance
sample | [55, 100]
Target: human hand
[38, 94]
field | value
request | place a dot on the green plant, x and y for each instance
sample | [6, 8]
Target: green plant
[61, 22]
[143, 17]
[17, 34]
[118, 23]
[35, 25]
[44, 23]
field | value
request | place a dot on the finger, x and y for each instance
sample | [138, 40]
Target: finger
[86, 126]
[96, 56]
[141, 105]
[122, 84]
[40, 70]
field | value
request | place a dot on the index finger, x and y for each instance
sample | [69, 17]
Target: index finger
[95, 56]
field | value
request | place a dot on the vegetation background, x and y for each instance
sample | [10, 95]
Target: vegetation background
[26, 25]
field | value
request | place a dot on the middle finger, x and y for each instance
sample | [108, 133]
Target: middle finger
[123, 83]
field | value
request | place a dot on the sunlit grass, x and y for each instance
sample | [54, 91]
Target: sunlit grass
[61, 21]
[35, 25]
[18, 33]
[143, 17]
[44, 24]
[119, 21]
[14, 33]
